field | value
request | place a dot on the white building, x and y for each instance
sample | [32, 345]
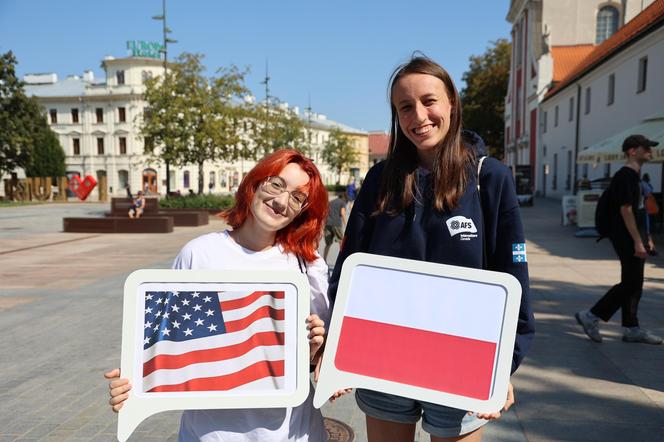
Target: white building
[616, 90]
[97, 124]
[550, 38]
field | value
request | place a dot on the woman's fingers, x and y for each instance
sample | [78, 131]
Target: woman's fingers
[510, 397]
[115, 373]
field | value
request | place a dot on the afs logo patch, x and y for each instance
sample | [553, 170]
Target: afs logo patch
[460, 224]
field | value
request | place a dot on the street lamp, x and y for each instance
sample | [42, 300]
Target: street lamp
[164, 49]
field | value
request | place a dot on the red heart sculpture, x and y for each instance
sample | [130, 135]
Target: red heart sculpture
[82, 188]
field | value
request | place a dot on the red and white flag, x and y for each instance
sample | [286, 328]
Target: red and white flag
[436, 333]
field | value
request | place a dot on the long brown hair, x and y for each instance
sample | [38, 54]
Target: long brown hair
[451, 171]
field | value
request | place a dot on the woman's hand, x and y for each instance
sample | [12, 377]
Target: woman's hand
[337, 394]
[508, 403]
[118, 389]
[316, 328]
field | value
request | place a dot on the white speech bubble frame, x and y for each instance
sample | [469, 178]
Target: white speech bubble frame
[332, 379]
[139, 406]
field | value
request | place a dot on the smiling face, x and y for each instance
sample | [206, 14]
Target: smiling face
[272, 213]
[423, 109]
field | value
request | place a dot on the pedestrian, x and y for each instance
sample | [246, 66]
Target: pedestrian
[403, 210]
[279, 211]
[137, 206]
[336, 221]
[626, 235]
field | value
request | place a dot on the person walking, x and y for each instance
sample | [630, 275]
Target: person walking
[626, 236]
[336, 221]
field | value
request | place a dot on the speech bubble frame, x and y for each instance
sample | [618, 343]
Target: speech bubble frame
[332, 379]
[139, 406]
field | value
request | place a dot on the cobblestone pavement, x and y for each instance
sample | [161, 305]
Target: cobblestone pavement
[60, 316]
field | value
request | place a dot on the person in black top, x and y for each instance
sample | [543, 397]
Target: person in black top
[626, 236]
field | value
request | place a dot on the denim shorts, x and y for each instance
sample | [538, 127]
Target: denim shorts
[437, 420]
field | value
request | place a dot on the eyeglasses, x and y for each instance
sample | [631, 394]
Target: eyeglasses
[275, 186]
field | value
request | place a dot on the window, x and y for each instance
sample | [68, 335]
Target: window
[148, 144]
[122, 115]
[123, 179]
[607, 23]
[554, 181]
[612, 90]
[54, 116]
[123, 145]
[74, 115]
[544, 150]
[76, 146]
[643, 75]
[185, 179]
[587, 109]
[568, 179]
[119, 75]
[555, 116]
[571, 109]
[213, 180]
[145, 75]
[545, 118]
[100, 115]
[100, 146]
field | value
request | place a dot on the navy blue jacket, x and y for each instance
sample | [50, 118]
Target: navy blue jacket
[421, 232]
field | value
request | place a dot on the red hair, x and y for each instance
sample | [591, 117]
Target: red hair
[303, 234]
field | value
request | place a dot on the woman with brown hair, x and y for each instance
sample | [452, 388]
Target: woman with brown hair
[411, 206]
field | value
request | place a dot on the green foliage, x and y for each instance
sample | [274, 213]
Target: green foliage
[339, 152]
[193, 118]
[483, 98]
[335, 188]
[22, 123]
[48, 158]
[274, 127]
[200, 201]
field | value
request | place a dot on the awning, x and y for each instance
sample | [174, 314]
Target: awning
[610, 149]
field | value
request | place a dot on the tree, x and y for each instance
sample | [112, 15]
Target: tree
[192, 118]
[275, 126]
[339, 152]
[483, 98]
[20, 118]
[47, 158]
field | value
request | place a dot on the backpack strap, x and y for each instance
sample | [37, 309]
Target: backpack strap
[302, 264]
[479, 196]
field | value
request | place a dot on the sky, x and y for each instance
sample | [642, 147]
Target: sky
[336, 55]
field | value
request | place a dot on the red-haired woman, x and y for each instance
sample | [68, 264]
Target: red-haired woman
[279, 213]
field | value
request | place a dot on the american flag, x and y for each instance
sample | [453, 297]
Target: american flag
[211, 341]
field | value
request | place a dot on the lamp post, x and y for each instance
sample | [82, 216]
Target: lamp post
[164, 49]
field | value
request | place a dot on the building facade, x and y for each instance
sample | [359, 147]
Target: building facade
[549, 39]
[97, 123]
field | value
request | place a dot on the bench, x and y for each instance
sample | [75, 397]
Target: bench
[181, 217]
[119, 224]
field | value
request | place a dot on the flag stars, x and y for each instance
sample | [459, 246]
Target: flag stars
[149, 297]
[185, 302]
[148, 310]
[176, 293]
[160, 300]
[166, 315]
[175, 324]
[148, 324]
[156, 327]
[199, 321]
[186, 316]
[146, 341]
[166, 301]
[188, 332]
[158, 314]
[212, 327]
[209, 312]
[175, 308]
[197, 308]
[207, 299]
[195, 295]
[165, 332]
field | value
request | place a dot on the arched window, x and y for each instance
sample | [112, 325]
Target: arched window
[607, 23]
[123, 179]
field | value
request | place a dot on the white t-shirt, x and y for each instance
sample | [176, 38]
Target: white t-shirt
[303, 423]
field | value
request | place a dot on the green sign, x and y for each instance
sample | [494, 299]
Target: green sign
[140, 48]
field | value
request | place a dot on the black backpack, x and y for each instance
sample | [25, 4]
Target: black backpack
[602, 215]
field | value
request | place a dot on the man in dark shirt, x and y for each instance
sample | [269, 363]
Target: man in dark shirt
[627, 240]
[336, 219]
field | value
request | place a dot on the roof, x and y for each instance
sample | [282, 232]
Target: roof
[648, 20]
[325, 124]
[69, 87]
[566, 58]
[378, 143]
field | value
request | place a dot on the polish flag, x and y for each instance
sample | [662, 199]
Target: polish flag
[426, 331]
